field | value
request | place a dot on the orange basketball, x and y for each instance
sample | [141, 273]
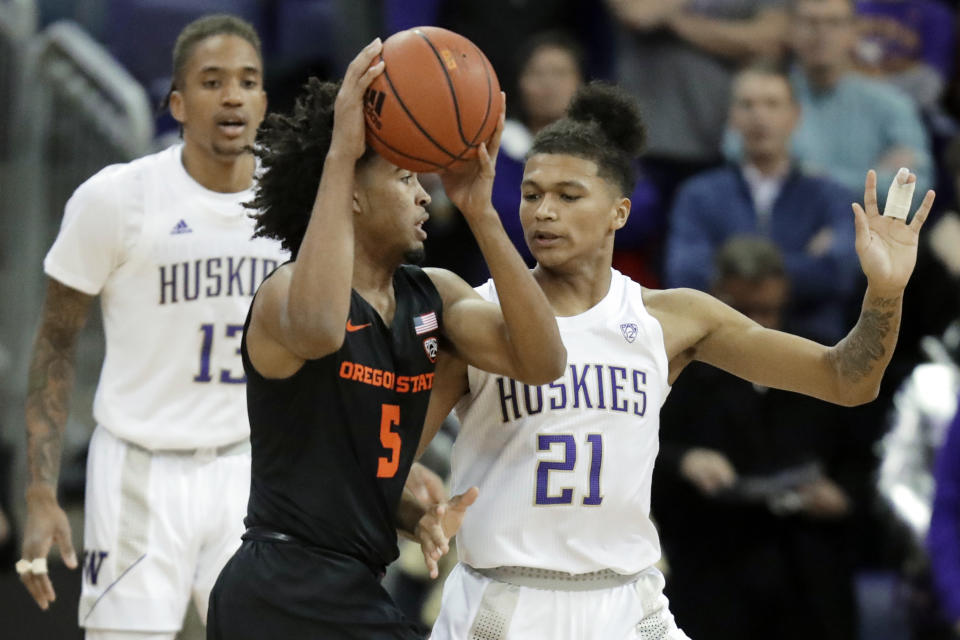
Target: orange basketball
[437, 99]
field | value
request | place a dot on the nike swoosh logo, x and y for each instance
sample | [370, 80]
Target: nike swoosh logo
[355, 327]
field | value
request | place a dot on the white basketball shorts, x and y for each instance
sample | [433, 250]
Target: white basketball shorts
[158, 527]
[476, 607]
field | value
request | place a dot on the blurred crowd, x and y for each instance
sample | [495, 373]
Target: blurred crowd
[763, 117]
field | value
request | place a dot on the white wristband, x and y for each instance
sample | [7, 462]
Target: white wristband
[899, 196]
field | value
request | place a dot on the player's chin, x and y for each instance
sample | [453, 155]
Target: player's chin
[235, 147]
[543, 255]
[415, 254]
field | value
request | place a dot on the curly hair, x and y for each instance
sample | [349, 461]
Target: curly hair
[292, 149]
[603, 124]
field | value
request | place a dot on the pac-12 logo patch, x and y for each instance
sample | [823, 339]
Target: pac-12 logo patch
[431, 345]
[629, 331]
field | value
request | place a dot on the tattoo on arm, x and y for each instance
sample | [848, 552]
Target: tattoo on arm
[856, 355]
[50, 381]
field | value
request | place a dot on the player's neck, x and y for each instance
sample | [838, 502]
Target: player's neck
[573, 289]
[772, 165]
[374, 282]
[230, 174]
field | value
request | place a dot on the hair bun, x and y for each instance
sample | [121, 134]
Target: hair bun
[614, 111]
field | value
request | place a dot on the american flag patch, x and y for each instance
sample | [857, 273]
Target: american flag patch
[425, 323]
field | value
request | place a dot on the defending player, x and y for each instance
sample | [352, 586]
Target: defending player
[166, 244]
[559, 545]
[339, 348]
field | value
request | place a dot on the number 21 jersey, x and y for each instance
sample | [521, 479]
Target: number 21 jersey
[564, 468]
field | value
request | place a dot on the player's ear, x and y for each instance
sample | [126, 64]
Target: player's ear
[177, 109]
[621, 213]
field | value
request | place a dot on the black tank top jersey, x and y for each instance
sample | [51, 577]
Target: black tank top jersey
[333, 444]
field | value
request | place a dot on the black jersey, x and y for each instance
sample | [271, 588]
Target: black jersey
[333, 443]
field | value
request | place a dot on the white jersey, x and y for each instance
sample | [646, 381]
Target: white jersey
[564, 469]
[175, 268]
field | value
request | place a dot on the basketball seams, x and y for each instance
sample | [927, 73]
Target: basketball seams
[413, 120]
[393, 149]
[486, 115]
[472, 143]
[453, 91]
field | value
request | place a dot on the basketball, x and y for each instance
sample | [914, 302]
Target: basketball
[437, 99]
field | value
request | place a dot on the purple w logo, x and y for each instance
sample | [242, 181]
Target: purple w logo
[92, 561]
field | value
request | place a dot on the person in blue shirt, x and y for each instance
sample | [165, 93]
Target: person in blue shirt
[850, 123]
[766, 194]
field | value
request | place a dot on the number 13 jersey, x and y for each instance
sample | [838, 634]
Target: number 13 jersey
[564, 469]
[175, 267]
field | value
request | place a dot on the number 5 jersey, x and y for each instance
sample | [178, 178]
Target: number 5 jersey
[333, 443]
[175, 267]
[564, 468]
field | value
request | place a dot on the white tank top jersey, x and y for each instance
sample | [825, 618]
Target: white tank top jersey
[175, 268]
[564, 469]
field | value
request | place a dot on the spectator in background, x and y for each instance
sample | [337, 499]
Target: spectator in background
[551, 67]
[772, 475]
[850, 123]
[909, 43]
[808, 218]
[678, 58]
[943, 542]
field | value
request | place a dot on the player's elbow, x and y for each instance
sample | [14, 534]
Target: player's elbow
[545, 369]
[859, 395]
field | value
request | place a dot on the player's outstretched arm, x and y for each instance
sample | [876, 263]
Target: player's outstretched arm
[518, 338]
[848, 373]
[48, 401]
[303, 309]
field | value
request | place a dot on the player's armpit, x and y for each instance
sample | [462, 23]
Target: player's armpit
[449, 385]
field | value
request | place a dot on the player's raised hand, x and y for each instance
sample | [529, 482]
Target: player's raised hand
[440, 523]
[470, 185]
[887, 245]
[349, 127]
[46, 523]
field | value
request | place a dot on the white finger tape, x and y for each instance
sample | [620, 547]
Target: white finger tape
[899, 196]
[35, 566]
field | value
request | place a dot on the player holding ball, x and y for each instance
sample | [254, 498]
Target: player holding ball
[340, 344]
